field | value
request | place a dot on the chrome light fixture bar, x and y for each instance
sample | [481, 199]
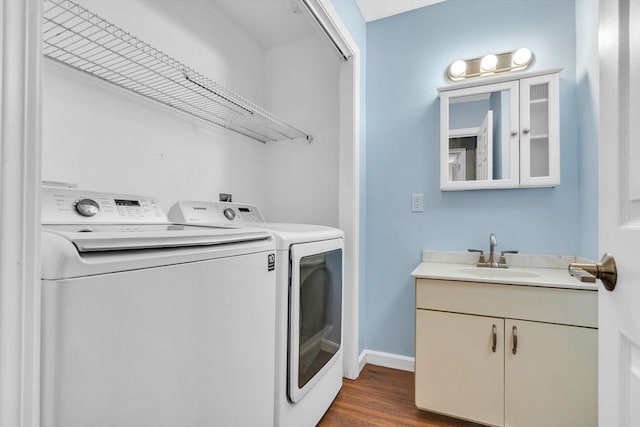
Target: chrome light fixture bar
[490, 64]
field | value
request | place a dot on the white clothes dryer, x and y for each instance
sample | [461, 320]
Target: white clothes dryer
[148, 323]
[309, 268]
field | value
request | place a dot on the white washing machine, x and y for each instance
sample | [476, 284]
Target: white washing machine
[147, 323]
[309, 267]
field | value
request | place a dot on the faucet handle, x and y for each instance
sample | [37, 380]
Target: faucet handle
[481, 259]
[503, 260]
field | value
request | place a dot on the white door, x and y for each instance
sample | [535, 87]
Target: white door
[540, 131]
[619, 212]
[457, 164]
[484, 149]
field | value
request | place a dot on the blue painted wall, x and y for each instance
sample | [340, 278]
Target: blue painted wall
[588, 98]
[468, 114]
[407, 55]
[352, 18]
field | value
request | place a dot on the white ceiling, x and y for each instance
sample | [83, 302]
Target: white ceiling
[273, 23]
[269, 22]
[377, 9]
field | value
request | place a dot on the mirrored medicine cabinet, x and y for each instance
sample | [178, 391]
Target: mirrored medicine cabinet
[502, 132]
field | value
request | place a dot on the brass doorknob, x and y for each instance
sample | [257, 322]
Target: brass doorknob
[604, 270]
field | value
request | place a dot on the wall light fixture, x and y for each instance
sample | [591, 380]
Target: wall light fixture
[490, 64]
[458, 68]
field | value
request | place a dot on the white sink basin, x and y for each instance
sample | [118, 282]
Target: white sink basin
[496, 273]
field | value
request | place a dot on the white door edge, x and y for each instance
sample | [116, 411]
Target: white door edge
[348, 184]
[20, 148]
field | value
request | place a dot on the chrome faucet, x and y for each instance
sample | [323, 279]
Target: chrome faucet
[492, 262]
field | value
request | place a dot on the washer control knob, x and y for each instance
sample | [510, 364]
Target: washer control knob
[229, 213]
[87, 207]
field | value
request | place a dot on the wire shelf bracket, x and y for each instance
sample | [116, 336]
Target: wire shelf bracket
[81, 39]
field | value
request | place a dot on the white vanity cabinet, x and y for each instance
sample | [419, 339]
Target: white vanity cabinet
[457, 373]
[507, 355]
[552, 378]
[503, 133]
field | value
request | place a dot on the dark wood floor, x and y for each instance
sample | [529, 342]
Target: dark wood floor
[382, 397]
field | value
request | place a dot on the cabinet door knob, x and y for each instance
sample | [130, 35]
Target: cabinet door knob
[494, 338]
[514, 132]
[525, 131]
[514, 334]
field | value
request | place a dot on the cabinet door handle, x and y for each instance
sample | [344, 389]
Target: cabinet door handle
[494, 338]
[514, 334]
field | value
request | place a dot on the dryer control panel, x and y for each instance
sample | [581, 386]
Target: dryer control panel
[192, 212]
[73, 206]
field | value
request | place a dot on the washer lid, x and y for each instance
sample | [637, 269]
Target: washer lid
[115, 237]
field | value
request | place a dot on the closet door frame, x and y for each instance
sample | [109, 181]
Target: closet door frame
[20, 154]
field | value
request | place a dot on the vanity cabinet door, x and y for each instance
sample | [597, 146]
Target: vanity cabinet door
[539, 131]
[551, 380]
[459, 369]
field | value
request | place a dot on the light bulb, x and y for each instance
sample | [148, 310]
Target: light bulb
[458, 68]
[489, 62]
[521, 56]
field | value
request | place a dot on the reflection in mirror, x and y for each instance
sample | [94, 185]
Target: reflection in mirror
[458, 164]
[479, 137]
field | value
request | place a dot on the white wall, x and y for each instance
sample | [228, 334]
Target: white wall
[302, 85]
[194, 32]
[104, 138]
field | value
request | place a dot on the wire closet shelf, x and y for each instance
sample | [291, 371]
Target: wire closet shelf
[77, 37]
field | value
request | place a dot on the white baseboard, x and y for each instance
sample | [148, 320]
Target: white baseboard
[387, 360]
[362, 360]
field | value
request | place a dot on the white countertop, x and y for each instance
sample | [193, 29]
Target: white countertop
[526, 270]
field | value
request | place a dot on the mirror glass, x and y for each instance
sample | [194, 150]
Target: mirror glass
[479, 136]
